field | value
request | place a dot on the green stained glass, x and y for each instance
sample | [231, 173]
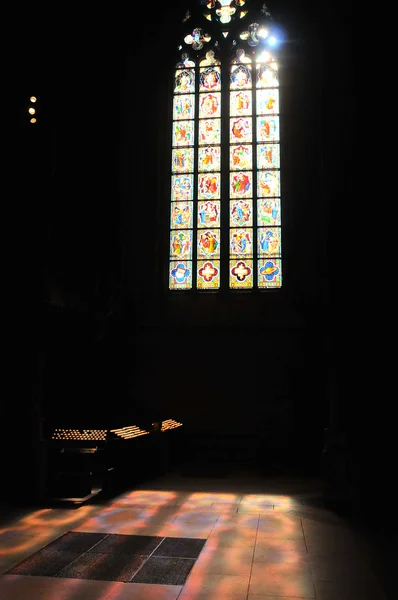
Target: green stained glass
[183, 133]
[268, 183]
[210, 105]
[182, 160]
[269, 241]
[241, 213]
[269, 211]
[268, 156]
[209, 158]
[241, 184]
[240, 130]
[209, 131]
[270, 273]
[209, 213]
[267, 102]
[184, 106]
[181, 215]
[241, 157]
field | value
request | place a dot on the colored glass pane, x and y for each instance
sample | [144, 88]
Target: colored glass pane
[208, 185]
[241, 184]
[209, 213]
[241, 242]
[210, 79]
[181, 244]
[241, 103]
[182, 187]
[182, 160]
[240, 130]
[267, 129]
[210, 105]
[267, 76]
[181, 215]
[209, 131]
[209, 158]
[184, 106]
[208, 274]
[269, 241]
[183, 133]
[209, 243]
[180, 275]
[241, 157]
[268, 156]
[184, 81]
[268, 183]
[240, 274]
[270, 273]
[241, 77]
[267, 102]
[269, 211]
[241, 213]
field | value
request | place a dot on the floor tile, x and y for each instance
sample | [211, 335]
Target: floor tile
[164, 570]
[74, 541]
[180, 547]
[144, 591]
[45, 563]
[19, 587]
[214, 586]
[103, 567]
[282, 579]
[127, 544]
[227, 561]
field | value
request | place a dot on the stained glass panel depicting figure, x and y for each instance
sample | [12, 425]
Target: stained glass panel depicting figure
[210, 79]
[267, 102]
[241, 103]
[181, 215]
[184, 81]
[209, 213]
[267, 129]
[210, 105]
[209, 158]
[241, 184]
[181, 244]
[241, 157]
[241, 77]
[208, 274]
[182, 160]
[267, 75]
[209, 131]
[268, 183]
[209, 243]
[241, 242]
[182, 187]
[184, 106]
[268, 211]
[269, 241]
[241, 213]
[208, 185]
[240, 130]
[183, 133]
[268, 156]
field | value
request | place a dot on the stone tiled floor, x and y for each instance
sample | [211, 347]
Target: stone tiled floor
[266, 539]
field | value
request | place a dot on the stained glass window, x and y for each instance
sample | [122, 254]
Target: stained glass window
[225, 201]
